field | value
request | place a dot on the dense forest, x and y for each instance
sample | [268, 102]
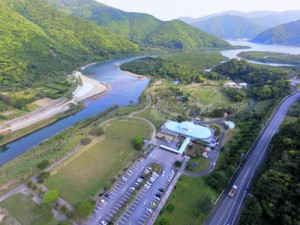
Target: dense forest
[38, 41]
[185, 67]
[142, 29]
[276, 191]
[264, 82]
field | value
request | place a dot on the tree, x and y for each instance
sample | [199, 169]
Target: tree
[170, 208]
[138, 143]
[50, 196]
[42, 177]
[84, 209]
[164, 221]
[178, 163]
[86, 141]
[43, 164]
[97, 131]
[65, 223]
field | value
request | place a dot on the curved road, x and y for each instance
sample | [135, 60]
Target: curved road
[227, 210]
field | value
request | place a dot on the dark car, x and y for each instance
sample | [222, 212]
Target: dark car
[107, 196]
[158, 195]
[161, 190]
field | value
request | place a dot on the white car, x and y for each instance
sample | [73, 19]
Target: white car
[124, 178]
[149, 210]
[204, 155]
[103, 202]
[103, 222]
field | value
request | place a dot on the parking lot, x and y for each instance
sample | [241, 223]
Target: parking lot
[144, 192]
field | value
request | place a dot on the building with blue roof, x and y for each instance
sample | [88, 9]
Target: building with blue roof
[188, 130]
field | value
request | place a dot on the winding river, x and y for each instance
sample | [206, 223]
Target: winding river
[124, 88]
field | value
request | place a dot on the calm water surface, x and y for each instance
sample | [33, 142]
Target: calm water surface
[124, 88]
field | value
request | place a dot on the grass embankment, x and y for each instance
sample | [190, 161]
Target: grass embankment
[189, 193]
[11, 136]
[27, 212]
[95, 167]
[24, 166]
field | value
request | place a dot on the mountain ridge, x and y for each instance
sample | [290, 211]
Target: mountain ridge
[141, 28]
[285, 34]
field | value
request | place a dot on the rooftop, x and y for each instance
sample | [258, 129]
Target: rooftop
[189, 129]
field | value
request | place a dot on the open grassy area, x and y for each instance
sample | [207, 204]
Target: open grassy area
[27, 212]
[153, 116]
[187, 196]
[197, 164]
[94, 168]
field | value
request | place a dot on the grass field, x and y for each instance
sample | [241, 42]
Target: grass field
[27, 212]
[189, 193]
[203, 164]
[153, 116]
[92, 170]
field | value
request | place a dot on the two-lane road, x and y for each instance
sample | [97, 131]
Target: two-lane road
[228, 209]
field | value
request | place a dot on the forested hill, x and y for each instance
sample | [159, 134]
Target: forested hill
[142, 29]
[38, 41]
[276, 198]
[286, 34]
[230, 26]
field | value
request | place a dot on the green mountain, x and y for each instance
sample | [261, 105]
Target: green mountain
[38, 41]
[142, 29]
[286, 34]
[229, 26]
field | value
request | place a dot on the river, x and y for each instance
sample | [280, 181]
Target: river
[124, 88]
[260, 48]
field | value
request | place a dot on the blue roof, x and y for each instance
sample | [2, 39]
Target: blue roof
[189, 129]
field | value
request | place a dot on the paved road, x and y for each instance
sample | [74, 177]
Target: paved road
[227, 210]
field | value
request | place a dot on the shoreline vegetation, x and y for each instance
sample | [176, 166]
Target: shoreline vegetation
[23, 167]
[19, 127]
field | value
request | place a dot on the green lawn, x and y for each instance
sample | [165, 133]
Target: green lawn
[153, 116]
[92, 170]
[203, 164]
[27, 212]
[189, 193]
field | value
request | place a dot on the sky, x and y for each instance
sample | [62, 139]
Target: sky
[172, 9]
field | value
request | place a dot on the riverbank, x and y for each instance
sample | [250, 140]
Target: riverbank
[141, 77]
[89, 89]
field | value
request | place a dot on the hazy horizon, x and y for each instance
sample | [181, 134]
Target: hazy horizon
[172, 9]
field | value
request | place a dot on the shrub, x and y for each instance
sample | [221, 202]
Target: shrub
[170, 208]
[138, 143]
[86, 141]
[43, 164]
[97, 131]
[178, 163]
[42, 177]
[84, 209]
[50, 196]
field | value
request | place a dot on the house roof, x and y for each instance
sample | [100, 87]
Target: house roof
[189, 129]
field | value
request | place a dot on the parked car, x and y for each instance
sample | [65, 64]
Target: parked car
[107, 196]
[161, 190]
[153, 204]
[149, 210]
[103, 202]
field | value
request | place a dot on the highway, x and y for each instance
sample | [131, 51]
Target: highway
[227, 210]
